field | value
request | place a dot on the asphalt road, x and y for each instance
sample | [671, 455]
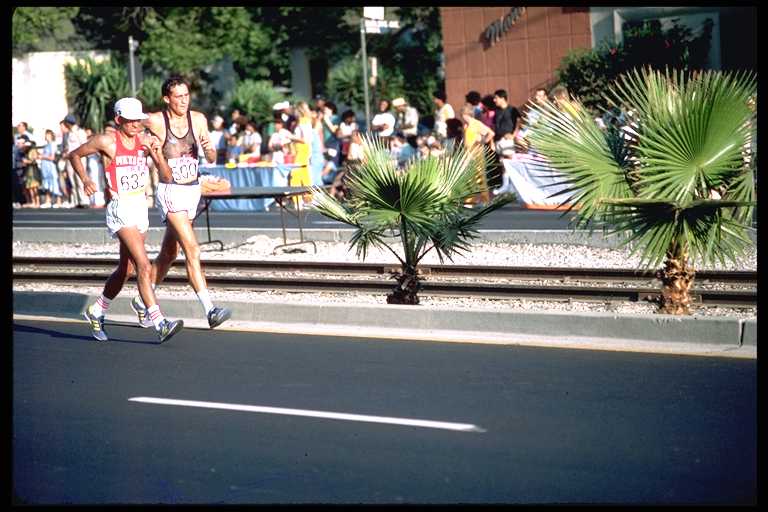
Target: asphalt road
[548, 425]
[510, 217]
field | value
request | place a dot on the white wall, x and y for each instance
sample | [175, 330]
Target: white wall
[38, 89]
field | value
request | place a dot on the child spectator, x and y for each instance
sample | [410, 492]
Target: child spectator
[49, 172]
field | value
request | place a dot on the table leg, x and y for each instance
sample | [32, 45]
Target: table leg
[281, 203]
[207, 204]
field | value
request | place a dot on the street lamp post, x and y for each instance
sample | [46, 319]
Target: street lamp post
[365, 77]
[132, 46]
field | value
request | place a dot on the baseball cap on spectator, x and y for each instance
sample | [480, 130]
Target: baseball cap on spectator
[129, 108]
[69, 119]
[282, 105]
[397, 102]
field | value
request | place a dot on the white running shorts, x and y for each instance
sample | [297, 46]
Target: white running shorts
[129, 210]
[173, 198]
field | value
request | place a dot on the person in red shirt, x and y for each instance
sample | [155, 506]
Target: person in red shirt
[127, 217]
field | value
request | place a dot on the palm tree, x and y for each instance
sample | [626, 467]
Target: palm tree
[676, 182]
[421, 208]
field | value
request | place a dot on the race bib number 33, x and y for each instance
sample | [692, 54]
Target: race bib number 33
[184, 169]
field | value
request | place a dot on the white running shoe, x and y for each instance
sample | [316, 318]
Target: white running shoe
[141, 313]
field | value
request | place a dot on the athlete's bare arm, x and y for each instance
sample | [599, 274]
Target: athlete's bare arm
[200, 127]
[154, 150]
[102, 143]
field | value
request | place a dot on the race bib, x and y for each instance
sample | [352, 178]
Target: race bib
[183, 168]
[132, 179]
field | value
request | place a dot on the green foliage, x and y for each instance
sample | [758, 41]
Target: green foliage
[587, 73]
[345, 84]
[418, 210]
[92, 89]
[255, 99]
[43, 29]
[678, 179]
[150, 93]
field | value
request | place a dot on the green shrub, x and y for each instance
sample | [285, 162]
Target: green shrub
[255, 98]
[92, 89]
[587, 73]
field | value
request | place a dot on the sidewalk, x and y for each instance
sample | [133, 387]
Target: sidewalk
[717, 336]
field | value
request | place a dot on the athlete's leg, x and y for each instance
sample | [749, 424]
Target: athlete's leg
[181, 226]
[169, 250]
[133, 242]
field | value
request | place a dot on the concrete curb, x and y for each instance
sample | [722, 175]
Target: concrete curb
[613, 331]
[235, 236]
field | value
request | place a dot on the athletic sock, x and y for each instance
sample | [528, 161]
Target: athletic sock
[155, 315]
[205, 300]
[100, 307]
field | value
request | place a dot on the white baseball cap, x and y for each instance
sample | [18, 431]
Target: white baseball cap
[129, 108]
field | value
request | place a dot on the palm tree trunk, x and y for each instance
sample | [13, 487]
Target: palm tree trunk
[407, 289]
[677, 280]
[408, 285]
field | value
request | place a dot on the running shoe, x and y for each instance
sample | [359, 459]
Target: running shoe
[96, 323]
[168, 328]
[141, 313]
[218, 316]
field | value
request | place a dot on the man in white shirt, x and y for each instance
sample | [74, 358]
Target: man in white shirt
[383, 123]
[407, 117]
[443, 113]
[74, 137]
[218, 140]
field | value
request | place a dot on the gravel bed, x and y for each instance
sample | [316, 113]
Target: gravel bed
[486, 253]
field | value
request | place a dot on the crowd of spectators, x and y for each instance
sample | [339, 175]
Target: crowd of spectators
[322, 143]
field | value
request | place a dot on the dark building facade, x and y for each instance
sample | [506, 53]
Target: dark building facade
[519, 55]
[519, 48]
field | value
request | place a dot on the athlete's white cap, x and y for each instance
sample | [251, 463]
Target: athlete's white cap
[129, 108]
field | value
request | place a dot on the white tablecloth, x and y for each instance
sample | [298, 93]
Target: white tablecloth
[533, 182]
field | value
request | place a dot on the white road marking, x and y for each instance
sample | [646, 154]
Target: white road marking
[461, 427]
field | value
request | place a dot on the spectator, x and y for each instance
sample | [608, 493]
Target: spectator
[304, 135]
[507, 118]
[73, 137]
[330, 169]
[20, 143]
[487, 111]
[532, 115]
[235, 115]
[32, 176]
[217, 139]
[233, 149]
[250, 141]
[454, 134]
[354, 158]
[316, 147]
[443, 112]
[344, 133]
[476, 134]
[409, 151]
[473, 100]
[406, 117]
[334, 142]
[383, 123]
[279, 142]
[283, 111]
[49, 172]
